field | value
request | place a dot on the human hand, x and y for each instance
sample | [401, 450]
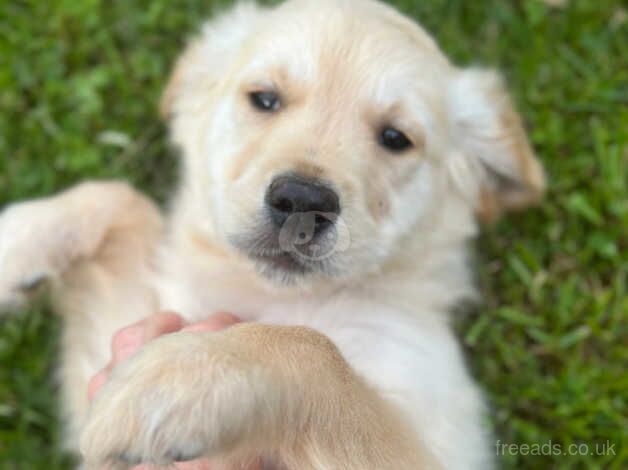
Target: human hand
[130, 339]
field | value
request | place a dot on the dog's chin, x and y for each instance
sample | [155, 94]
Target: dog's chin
[283, 268]
[288, 268]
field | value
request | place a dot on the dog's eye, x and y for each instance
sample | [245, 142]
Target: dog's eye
[394, 140]
[267, 101]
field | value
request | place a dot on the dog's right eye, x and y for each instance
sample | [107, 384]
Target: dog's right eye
[394, 140]
[267, 101]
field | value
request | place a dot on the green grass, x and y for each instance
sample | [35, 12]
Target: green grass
[79, 84]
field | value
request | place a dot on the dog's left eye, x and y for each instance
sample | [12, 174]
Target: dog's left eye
[267, 101]
[394, 140]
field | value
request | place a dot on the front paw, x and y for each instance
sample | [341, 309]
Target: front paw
[181, 397]
[27, 259]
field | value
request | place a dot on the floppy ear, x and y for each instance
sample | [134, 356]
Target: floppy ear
[494, 164]
[208, 57]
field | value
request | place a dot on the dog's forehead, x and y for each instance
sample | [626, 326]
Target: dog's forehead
[379, 54]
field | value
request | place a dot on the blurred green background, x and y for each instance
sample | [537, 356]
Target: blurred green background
[79, 87]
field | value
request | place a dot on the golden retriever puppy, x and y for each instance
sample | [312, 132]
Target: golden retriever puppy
[335, 165]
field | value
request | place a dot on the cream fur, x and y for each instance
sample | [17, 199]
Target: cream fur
[377, 379]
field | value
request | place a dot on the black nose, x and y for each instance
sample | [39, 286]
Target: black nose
[290, 194]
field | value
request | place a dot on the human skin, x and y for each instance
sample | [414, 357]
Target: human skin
[130, 339]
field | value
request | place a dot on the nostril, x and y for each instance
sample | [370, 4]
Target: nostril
[327, 203]
[284, 205]
[321, 222]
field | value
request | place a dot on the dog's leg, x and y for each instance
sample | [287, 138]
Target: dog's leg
[43, 241]
[93, 247]
[249, 390]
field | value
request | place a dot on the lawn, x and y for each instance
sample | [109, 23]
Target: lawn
[79, 86]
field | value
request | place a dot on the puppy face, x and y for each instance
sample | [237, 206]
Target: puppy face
[319, 134]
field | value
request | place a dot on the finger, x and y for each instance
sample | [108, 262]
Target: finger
[128, 340]
[97, 381]
[161, 324]
[216, 322]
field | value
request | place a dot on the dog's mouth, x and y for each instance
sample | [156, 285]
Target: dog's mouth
[287, 255]
[282, 261]
[274, 261]
[307, 243]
